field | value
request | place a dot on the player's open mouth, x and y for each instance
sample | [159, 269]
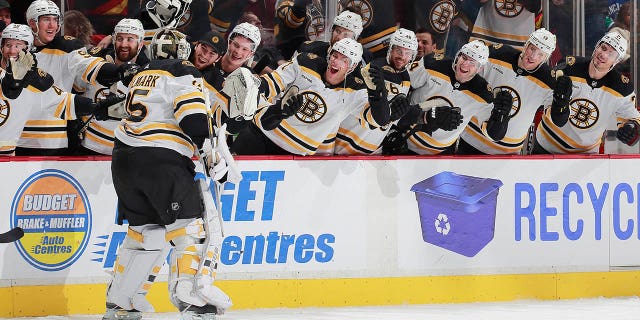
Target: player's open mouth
[333, 70]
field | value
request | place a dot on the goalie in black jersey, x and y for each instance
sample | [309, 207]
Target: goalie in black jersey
[153, 175]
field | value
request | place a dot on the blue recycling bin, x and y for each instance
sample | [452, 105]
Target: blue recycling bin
[457, 212]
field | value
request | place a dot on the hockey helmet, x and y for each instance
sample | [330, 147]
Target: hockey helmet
[350, 21]
[543, 40]
[406, 39]
[167, 13]
[131, 26]
[19, 32]
[350, 48]
[476, 50]
[617, 42]
[169, 44]
[248, 31]
[40, 8]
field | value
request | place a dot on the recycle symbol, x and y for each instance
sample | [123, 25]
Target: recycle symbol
[442, 224]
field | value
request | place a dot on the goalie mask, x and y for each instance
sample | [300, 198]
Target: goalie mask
[169, 44]
[19, 32]
[350, 21]
[405, 39]
[167, 13]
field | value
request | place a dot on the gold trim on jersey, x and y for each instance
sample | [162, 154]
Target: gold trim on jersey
[311, 72]
[46, 123]
[43, 135]
[91, 72]
[538, 82]
[604, 88]
[182, 104]
[286, 131]
[378, 35]
[437, 74]
[354, 141]
[491, 144]
[548, 123]
[505, 36]
[99, 140]
[52, 51]
[168, 132]
[474, 96]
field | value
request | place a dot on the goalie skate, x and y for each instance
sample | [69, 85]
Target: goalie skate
[116, 313]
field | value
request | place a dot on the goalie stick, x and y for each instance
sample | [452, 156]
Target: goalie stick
[12, 235]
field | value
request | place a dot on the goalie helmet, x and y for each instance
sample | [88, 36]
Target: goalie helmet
[167, 13]
[543, 40]
[476, 50]
[169, 44]
[406, 39]
[248, 31]
[350, 48]
[131, 26]
[19, 32]
[350, 21]
[617, 42]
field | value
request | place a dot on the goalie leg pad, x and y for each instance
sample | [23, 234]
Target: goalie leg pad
[193, 264]
[140, 258]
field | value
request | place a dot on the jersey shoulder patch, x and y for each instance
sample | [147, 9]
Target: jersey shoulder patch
[319, 48]
[503, 53]
[312, 61]
[66, 44]
[480, 87]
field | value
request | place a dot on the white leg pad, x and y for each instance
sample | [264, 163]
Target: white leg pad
[193, 264]
[140, 258]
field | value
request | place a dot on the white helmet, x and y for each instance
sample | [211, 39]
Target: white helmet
[544, 40]
[350, 48]
[476, 50]
[350, 21]
[20, 32]
[131, 26]
[169, 44]
[406, 39]
[167, 13]
[617, 42]
[248, 31]
[40, 8]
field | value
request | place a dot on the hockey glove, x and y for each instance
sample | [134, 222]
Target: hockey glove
[395, 142]
[218, 161]
[374, 79]
[126, 71]
[445, 118]
[399, 105]
[502, 104]
[560, 105]
[629, 133]
[19, 67]
[112, 107]
[292, 106]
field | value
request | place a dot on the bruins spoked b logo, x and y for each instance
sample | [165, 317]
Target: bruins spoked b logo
[5, 110]
[313, 107]
[584, 113]
[362, 7]
[508, 8]
[441, 15]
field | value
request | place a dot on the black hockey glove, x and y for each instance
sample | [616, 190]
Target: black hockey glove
[111, 107]
[292, 105]
[560, 105]
[629, 133]
[374, 79]
[399, 106]
[126, 71]
[445, 117]
[502, 104]
[395, 142]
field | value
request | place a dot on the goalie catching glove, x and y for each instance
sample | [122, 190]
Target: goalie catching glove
[217, 160]
[241, 86]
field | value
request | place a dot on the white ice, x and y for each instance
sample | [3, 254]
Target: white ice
[583, 309]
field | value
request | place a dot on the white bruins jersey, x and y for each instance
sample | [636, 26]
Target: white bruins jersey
[529, 91]
[71, 66]
[41, 100]
[159, 98]
[356, 137]
[593, 105]
[434, 78]
[313, 129]
[504, 21]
